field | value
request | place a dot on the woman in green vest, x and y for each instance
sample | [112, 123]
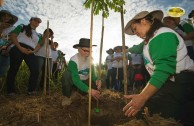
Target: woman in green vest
[170, 88]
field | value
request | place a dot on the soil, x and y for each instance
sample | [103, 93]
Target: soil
[23, 110]
[40, 110]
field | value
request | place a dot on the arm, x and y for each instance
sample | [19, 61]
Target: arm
[14, 39]
[189, 30]
[72, 66]
[138, 49]
[164, 60]
[165, 65]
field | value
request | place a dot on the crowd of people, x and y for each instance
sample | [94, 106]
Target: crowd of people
[136, 73]
[166, 52]
[24, 43]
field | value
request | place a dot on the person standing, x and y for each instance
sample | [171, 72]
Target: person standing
[109, 68]
[117, 69]
[170, 88]
[42, 54]
[7, 20]
[26, 41]
[55, 59]
[184, 29]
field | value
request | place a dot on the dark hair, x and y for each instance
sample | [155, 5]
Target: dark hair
[56, 43]
[50, 30]
[28, 30]
[155, 25]
[191, 14]
[51, 34]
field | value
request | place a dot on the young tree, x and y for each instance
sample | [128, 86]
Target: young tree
[104, 6]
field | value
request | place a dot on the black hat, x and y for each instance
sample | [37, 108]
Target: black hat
[110, 51]
[14, 18]
[191, 14]
[83, 42]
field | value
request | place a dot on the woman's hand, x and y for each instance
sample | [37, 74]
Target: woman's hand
[95, 94]
[98, 84]
[25, 51]
[138, 100]
[134, 106]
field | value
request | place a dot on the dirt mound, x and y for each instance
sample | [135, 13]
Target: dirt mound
[23, 110]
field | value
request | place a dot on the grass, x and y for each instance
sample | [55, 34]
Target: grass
[21, 81]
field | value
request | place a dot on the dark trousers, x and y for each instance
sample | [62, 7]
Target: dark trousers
[108, 78]
[4, 64]
[68, 86]
[190, 52]
[16, 58]
[175, 99]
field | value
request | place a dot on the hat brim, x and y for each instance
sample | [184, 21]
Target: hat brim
[156, 14]
[77, 45]
[14, 18]
[109, 51]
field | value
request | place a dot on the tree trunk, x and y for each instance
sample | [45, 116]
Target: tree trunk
[90, 76]
[101, 47]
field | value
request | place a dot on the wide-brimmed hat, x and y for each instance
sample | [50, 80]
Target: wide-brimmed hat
[83, 42]
[155, 14]
[110, 51]
[36, 18]
[117, 47]
[13, 19]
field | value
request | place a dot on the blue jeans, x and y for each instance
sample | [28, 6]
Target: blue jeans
[4, 65]
[41, 67]
[16, 58]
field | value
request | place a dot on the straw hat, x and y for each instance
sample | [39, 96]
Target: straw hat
[155, 14]
[83, 42]
[13, 19]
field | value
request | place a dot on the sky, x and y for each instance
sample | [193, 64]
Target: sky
[70, 21]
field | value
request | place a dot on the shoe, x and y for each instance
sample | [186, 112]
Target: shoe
[66, 101]
[32, 93]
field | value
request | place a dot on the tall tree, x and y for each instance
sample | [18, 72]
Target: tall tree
[99, 5]
[117, 6]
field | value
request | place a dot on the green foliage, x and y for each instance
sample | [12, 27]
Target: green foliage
[22, 80]
[104, 5]
[103, 71]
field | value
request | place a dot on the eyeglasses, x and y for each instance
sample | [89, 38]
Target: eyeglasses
[85, 50]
